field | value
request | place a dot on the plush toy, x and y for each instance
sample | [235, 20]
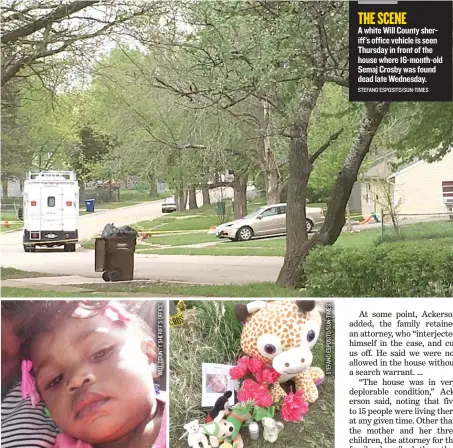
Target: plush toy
[196, 435]
[226, 445]
[281, 334]
[240, 413]
[218, 431]
[220, 407]
[271, 429]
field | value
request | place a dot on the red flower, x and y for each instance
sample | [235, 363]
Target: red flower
[256, 392]
[241, 370]
[238, 372]
[255, 365]
[244, 361]
[270, 375]
[294, 407]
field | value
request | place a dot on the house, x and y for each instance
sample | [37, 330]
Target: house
[416, 188]
[12, 188]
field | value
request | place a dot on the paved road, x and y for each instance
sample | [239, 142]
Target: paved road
[196, 269]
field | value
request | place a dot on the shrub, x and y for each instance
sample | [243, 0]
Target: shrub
[415, 269]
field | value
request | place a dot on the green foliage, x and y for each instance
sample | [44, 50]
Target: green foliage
[417, 130]
[389, 270]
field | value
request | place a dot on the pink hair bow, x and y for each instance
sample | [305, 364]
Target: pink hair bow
[28, 385]
[65, 441]
[116, 311]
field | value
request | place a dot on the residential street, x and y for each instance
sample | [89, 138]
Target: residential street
[180, 268]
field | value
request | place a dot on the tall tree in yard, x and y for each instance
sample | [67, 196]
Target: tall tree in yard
[36, 30]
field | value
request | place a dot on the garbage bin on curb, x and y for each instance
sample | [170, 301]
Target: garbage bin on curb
[220, 208]
[89, 205]
[114, 257]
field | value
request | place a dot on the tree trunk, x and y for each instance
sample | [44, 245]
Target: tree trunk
[266, 155]
[4, 188]
[192, 198]
[152, 187]
[271, 181]
[341, 192]
[81, 192]
[181, 200]
[240, 196]
[206, 197]
[299, 168]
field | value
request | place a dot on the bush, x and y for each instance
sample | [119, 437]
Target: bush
[412, 269]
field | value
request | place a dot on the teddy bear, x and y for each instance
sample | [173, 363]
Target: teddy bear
[196, 435]
[282, 334]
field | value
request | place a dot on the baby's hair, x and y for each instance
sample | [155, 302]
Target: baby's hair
[42, 316]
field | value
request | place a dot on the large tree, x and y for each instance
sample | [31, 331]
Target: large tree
[34, 31]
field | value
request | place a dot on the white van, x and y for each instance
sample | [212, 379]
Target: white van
[51, 210]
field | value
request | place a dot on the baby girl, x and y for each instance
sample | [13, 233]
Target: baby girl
[94, 370]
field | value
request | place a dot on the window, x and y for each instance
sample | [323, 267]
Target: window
[51, 201]
[282, 210]
[368, 193]
[270, 212]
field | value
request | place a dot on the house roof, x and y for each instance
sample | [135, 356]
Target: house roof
[383, 167]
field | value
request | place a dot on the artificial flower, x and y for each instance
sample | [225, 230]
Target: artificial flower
[268, 375]
[244, 361]
[294, 407]
[255, 365]
[259, 393]
[238, 372]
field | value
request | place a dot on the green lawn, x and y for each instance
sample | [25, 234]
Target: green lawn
[28, 292]
[10, 273]
[181, 239]
[160, 289]
[10, 216]
[180, 289]
[277, 246]
[219, 250]
[202, 218]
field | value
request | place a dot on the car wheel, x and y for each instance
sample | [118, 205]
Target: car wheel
[105, 276]
[309, 225]
[244, 234]
[33, 248]
[26, 248]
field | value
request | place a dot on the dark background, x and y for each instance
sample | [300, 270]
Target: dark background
[420, 14]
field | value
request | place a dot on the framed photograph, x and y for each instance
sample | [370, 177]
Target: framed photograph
[215, 382]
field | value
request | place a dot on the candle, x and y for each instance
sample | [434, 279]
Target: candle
[254, 430]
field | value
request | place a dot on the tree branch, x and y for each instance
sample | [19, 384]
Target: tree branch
[323, 147]
[56, 15]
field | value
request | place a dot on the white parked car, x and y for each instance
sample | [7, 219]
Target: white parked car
[267, 220]
[169, 205]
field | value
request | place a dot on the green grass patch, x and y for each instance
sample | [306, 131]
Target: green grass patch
[211, 334]
[181, 240]
[10, 216]
[11, 273]
[28, 292]
[180, 289]
[196, 219]
[219, 250]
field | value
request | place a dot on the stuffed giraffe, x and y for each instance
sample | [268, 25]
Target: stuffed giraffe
[282, 333]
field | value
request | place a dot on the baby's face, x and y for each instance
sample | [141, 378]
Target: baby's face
[95, 378]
